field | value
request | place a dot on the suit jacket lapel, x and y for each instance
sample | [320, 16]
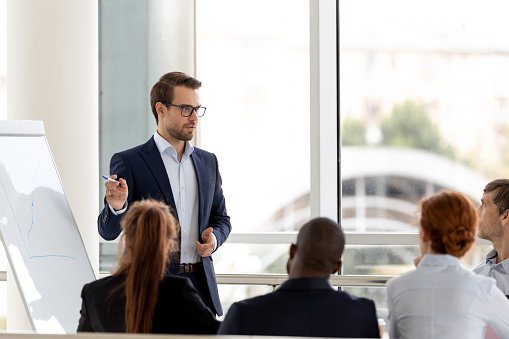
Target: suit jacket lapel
[199, 168]
[150, 153]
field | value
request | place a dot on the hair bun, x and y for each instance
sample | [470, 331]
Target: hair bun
[449, 219]
[456, 241]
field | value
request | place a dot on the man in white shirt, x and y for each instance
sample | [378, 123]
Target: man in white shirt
[168, 168]
[494, 226]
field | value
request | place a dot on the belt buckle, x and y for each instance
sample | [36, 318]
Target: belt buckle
[187, 268]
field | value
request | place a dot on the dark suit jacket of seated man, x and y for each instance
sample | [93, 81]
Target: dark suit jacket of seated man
[306, 305]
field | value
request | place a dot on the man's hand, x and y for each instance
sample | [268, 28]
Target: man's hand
[205, 249]
[116, 195]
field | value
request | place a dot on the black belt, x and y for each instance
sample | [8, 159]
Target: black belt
[189, 268]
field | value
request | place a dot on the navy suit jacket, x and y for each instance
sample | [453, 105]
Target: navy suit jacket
[305, 308]
[143, 169]
[179, 308]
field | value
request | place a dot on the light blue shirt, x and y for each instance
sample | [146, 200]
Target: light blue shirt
[500, 271]
[184, 187]
[440, 299]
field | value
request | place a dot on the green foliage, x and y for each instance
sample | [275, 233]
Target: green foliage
[410, 126]
[353, 132]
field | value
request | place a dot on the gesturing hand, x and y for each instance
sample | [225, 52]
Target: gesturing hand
[116, 195]
[206, 248]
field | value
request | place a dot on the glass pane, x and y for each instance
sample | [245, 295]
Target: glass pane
[251, 258]
[228, 259]
[394, 259]
[424, 105]
[108, 256]
[254, 64]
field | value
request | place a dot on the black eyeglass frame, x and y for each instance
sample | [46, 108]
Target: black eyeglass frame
[194, 109]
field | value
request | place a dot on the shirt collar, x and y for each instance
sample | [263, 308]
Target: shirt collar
[439, 260]
[162, 145]
[491, 258]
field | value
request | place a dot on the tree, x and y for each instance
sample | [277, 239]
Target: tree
[410, 126]
[353, 132]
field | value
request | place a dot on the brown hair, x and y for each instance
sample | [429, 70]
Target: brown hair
[162, 91]
[449, 220]
[148, 227]
[501, 197]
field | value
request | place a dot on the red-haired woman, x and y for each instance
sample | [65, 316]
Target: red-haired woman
[138, 298]
[440, 299]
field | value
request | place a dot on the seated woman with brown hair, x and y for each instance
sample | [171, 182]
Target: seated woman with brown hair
[138, 298]
[440, 299]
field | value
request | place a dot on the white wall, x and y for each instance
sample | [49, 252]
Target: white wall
[52, 71]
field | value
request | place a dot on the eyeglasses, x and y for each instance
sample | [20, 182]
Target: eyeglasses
[186, 110]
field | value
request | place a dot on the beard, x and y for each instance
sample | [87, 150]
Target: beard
[180, 134]
[489, 231]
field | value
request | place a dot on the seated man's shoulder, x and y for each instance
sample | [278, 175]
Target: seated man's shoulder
[352, 300]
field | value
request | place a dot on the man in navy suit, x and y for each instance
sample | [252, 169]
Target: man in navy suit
[170, 169]
[306, 305]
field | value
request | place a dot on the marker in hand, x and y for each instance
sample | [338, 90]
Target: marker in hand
[109, 179]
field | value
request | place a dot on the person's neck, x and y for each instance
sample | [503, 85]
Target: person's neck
[301, 272]
[179, 145]
[502, 247]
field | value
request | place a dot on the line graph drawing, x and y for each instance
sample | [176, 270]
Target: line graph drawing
[27, 247]
[33, 197]
[40, 235]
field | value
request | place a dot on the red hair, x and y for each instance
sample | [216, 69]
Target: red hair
[148, 228]
[449, 220]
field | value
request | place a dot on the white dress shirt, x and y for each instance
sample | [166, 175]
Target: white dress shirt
[184, 187]
[440, 299]
[500, 271]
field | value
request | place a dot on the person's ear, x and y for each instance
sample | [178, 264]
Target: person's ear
[293, 250]
[505, 217]
[160, 108]
[337, 267]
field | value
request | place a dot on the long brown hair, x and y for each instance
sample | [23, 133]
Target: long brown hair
[449, 220]
[148, 228]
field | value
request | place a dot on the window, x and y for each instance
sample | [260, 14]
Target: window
[423, 106]
[254, 64]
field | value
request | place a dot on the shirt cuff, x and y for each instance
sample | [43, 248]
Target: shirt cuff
[215, 241]
[119, 212]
